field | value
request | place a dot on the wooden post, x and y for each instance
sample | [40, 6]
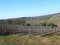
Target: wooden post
[41, 30]
[55, 30]
[29, 30]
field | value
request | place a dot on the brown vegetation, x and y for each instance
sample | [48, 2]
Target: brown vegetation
[29, 40]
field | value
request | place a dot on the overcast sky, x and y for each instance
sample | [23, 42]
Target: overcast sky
[27, 8]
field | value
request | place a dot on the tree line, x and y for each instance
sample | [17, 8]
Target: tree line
[23, 23]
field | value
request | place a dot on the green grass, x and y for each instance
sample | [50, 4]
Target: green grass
[29, 40]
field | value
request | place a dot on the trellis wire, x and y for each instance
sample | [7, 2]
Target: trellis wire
[28, 30]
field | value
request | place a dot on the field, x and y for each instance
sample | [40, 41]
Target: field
[29, 40]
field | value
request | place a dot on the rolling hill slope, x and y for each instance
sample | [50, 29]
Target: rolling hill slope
[54, 18]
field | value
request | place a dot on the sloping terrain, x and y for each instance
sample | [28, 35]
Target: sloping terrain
[54, 18]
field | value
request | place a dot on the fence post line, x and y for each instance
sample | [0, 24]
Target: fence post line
[28, 29]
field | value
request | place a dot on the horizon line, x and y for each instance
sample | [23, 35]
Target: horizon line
[29, 16]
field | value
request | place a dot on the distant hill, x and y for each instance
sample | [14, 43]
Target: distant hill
[54, 18]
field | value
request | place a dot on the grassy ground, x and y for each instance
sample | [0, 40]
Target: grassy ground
[29, 40]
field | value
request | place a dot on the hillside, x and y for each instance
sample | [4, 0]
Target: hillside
[54, 18]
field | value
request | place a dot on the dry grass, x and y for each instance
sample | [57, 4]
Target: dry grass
[29, 40]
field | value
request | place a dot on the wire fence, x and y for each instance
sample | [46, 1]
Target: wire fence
[27, 30]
